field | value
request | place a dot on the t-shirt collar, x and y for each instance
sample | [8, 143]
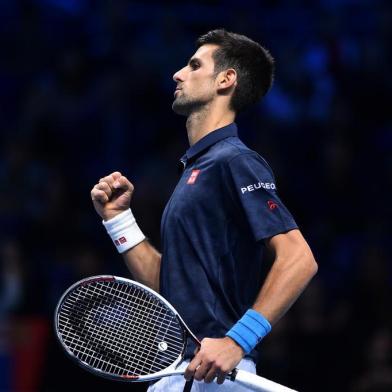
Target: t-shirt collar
[210, 139]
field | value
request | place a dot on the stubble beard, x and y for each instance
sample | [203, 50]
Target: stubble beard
[186, 107]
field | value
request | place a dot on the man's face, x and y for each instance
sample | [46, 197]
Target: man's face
[195, 82]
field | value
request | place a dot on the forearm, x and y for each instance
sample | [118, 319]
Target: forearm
[290, 273]
[144, 262]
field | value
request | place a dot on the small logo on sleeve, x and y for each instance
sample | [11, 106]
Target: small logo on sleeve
[272, 205]
[193, 177]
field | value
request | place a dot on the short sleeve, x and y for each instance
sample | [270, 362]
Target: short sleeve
[254, 189]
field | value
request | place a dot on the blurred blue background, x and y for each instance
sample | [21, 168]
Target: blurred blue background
[86, 88]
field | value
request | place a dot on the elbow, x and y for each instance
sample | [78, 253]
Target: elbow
[301, 261]
[305, 262]
[311, 265]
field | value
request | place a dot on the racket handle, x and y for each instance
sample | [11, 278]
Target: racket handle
[257, 383]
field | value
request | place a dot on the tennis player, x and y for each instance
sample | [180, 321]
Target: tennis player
[222, 214]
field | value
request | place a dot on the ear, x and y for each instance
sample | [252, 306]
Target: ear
[227, 79]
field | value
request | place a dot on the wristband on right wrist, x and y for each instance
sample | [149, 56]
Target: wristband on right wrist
[124, 231]
[249, 330]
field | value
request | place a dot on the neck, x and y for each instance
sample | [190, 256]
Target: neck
[206, 120]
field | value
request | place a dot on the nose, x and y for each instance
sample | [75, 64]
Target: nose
[179, 76]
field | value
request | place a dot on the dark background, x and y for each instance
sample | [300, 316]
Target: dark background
[86, 88]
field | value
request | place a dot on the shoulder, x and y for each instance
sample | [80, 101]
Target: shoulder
[233, 153]
[230, 148]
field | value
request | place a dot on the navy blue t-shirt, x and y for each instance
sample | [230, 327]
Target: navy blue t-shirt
[224, 204]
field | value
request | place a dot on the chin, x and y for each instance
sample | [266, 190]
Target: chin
[187, 107]
[180, 108]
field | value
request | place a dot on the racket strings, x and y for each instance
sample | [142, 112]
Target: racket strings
[120, 329]
[140, 334]
[144, 311]
[147, 314]
[121, 345]
[105, 337]
[139, 326]
[100, 336]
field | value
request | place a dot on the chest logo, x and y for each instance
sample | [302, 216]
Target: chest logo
[193, 177]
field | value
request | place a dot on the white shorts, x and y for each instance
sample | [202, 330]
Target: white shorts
[176, 383]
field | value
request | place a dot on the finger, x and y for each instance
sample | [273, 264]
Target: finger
[123, 183]
[100, 196]
[116, 175]
[103, 186]
[220, 377]
[107, 180]
[190, 370]
[202, 370]
[211, 374]
[111, 178]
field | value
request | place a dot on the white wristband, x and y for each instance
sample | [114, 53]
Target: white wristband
[124, 231]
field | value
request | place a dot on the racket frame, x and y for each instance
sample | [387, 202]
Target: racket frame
[170, 370]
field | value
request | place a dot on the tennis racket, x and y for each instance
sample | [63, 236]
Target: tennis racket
[122, 330]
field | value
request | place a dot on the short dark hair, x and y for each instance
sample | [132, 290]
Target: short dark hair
[253, 63]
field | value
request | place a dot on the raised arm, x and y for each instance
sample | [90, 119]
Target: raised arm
[111, 197]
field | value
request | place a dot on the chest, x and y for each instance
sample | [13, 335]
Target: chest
[199, 193]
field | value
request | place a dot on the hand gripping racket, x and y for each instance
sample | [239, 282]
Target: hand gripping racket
[122, 330]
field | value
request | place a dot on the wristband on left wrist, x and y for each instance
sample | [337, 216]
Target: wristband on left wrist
[249, 330]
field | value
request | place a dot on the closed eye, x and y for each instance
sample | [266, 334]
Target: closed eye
[194, 64]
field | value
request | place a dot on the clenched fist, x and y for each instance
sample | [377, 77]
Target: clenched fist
[112, 195]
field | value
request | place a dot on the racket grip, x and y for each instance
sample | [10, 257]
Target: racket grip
[258, 383]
